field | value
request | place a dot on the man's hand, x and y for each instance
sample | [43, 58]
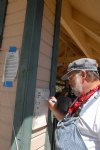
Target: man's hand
[52, 103]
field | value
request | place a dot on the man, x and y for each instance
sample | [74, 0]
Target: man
[83, 78]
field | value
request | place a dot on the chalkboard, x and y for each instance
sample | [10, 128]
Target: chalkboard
[3, 7]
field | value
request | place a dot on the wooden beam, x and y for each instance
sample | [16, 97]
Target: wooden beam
[74, 30]
[65, 37]
[68, 42]
[93, 44]
[76, 49]
[89, 25]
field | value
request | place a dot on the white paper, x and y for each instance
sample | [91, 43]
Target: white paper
[40, 108]
[10, 66]
[42, 94]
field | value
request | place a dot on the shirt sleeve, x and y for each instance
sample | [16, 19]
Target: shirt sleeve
[97, 120]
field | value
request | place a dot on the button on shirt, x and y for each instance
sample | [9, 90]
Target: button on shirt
[89, 122]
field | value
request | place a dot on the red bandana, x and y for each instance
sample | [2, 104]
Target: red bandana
[83, 98]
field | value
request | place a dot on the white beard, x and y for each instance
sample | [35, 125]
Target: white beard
[78, 87]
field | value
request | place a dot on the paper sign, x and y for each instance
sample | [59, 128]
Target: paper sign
[10, 67]
[40, 108]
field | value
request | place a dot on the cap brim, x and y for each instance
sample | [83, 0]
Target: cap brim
[65, 76]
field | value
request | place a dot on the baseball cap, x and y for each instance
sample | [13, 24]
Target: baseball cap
[80, 64]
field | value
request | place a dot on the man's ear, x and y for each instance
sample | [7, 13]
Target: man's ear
[83, 74]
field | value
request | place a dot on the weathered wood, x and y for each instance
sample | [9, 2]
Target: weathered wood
[23, 116]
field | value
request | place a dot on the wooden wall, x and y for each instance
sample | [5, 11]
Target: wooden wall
[13, 31]
[44, 65]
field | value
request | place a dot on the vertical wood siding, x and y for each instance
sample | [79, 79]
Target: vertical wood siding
[13, 31]
[44, 64]
[12, 36]
[43, 73]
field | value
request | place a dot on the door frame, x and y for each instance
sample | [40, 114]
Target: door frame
[50, 131]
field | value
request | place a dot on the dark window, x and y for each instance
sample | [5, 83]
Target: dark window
[3, 7]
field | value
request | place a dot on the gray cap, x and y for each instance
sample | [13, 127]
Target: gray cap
[80, 64]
